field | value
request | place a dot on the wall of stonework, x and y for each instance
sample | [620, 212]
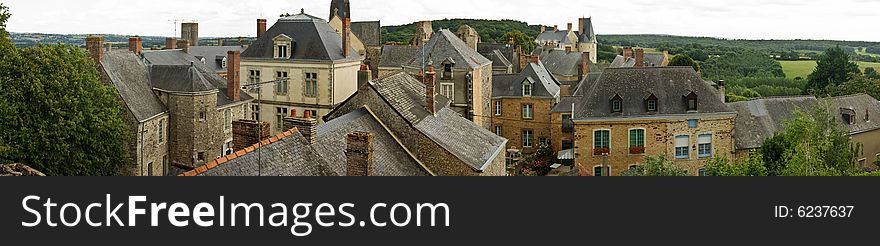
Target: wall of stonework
[512, 123]
[482, 92]
[870, 147]
[659, 140]
[557, 135]
[374, 53]
[483, 96]
[191, 135]
[153, 151]
[436, 158]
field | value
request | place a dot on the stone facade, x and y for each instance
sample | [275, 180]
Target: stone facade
[471, 97]
[659, 138]
[200, 131]
[870, 142]
[561, 133]
[248, 132]
[513, 124]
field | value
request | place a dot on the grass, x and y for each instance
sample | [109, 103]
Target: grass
[803, 69]
[863, 51]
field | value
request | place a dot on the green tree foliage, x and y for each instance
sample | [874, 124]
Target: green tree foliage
[684, 60]
[55, 114]
[753, 165]
[4, 36]
[491, 31]
[519, 38]
[870, 72]
[834, 67]
[857, 84]
[811, 145]
[607, 53]
[656, 166]
[745, 63]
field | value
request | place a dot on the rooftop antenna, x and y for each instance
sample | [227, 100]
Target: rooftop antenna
[176, 22]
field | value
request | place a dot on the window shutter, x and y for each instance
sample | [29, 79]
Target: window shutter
[682, 141]
[705, 139]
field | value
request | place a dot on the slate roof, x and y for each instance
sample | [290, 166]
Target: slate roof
[565, 103]
[213, 55]
[651, 60]
[560, 36]
[858, 103]
[759, 119]
[669, 84]
[129, 75]
[397, 55]
[471, 143]
[544, 85]
[406, 96]
[368, 32]
[313, 39]
[502, 55]
[290, 156]
[445, 45]
[562, 63]
[179, 78]
[172, 70]
[588, 34]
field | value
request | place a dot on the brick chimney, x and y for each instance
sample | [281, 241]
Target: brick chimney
[307, 126]
[359, 154]
[543, 28]
[627, 53]
[346, 40]
[261, 27]
[640, 57]
[233, 75]
[183, 44]
[95, 46]
[429, 79]
[170, 43]
[570, 26]
[246, 133]
[535, 59]
[555, 28]
[584, 68]
[364, 76]
[722, 92]
[135, 44]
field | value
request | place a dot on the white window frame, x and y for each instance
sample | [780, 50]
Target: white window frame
[711, 144]
[593, 137]
[448, 91]
[310, 84]
[606, 171]
[644, 139]
[282, 45]
[498, 130]
[227, 120]
[255, 112]
[528, 111]
[282, 88]
[222, 63]
[498, 107]
[530, 141]
[280, 114]
[527, 90]
[687, 147]
[161, 131]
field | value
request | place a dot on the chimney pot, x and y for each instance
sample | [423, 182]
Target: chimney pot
[346, 40]
[170, 43]
[95, 46]
[359, 154]
[135, 45]
[261, 27]
[307, 126]
[627, 53]
[246, 133]
[364, 76]
[555, 28]
[570, 27]
[429, 80]
[233, 75]
[640, 57]
[543, 28]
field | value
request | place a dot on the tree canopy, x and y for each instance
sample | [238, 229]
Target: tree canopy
[55, 114]
[834, 67]
[656, 166]
[520, 39]
[684, 60]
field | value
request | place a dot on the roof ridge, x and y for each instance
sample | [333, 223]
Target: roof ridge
[220, 161]
[851, 95]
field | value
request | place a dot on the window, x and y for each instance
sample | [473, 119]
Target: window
[527, 112]
[312, 113]
[200, 156]
[527, 88]
[601, 142]
[498, 108]
[682, 147]
[311, 86]
[567, 123]
[704, 145]
[617, 104]
[150, 169]
[227, 149]
[651, 103]
[704, 172]
[281, 87]
[203, 116]
[498, 130]
[161, 131]
[253, 78]
[527, 138]
[692, 102]
[447, 90]
[693, 123]
[227, 119]
[598, 171]
[222, 64]
[282, 51]
[255, 112]
[447, 71]
[637, 141]
[279, 118]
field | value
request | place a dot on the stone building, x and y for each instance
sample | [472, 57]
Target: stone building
[631, 113]
[180, 110]
[464, 76]
[385, 129]
[760, 119]
[424, 121]
[505, 57]
[424, 33]
[366, 36]
[214, 57]
[581, 40]
[469, 35]
[638, 58]
[319, 65]
[568, 67]
[190, 31]
[521, 105]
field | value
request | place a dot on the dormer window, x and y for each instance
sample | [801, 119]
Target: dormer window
[526, 88]
[849, 115]
[651, 104]
[447, 69]
[692, 102]
[282, 45]
[617, 104]
[222, 63]
[204, 61]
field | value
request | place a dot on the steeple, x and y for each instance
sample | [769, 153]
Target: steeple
[341, 8]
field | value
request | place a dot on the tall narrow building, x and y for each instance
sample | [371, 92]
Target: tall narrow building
[340, 8]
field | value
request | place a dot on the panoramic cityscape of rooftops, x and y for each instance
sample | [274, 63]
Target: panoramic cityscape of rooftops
[330, 97]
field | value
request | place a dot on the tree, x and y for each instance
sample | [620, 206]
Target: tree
[656, 166]
[857, 84]
[811, 145]
[4, 36]
[684, 60]
[870, 72]
[753, 165]
[834, 67]
[520, 39]
[55, 114]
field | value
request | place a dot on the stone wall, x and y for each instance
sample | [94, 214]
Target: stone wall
[557, 135]
[512, 123]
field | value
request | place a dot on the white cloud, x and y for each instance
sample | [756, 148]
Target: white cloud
[777, 19]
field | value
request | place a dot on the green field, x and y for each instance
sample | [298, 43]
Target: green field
[803, 69]
[863, 51]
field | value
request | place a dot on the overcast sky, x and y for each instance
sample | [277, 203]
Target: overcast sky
[750, 19]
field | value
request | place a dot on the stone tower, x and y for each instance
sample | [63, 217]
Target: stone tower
[469, 35]
[587, 41]
[424, 31]
[341, 8]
